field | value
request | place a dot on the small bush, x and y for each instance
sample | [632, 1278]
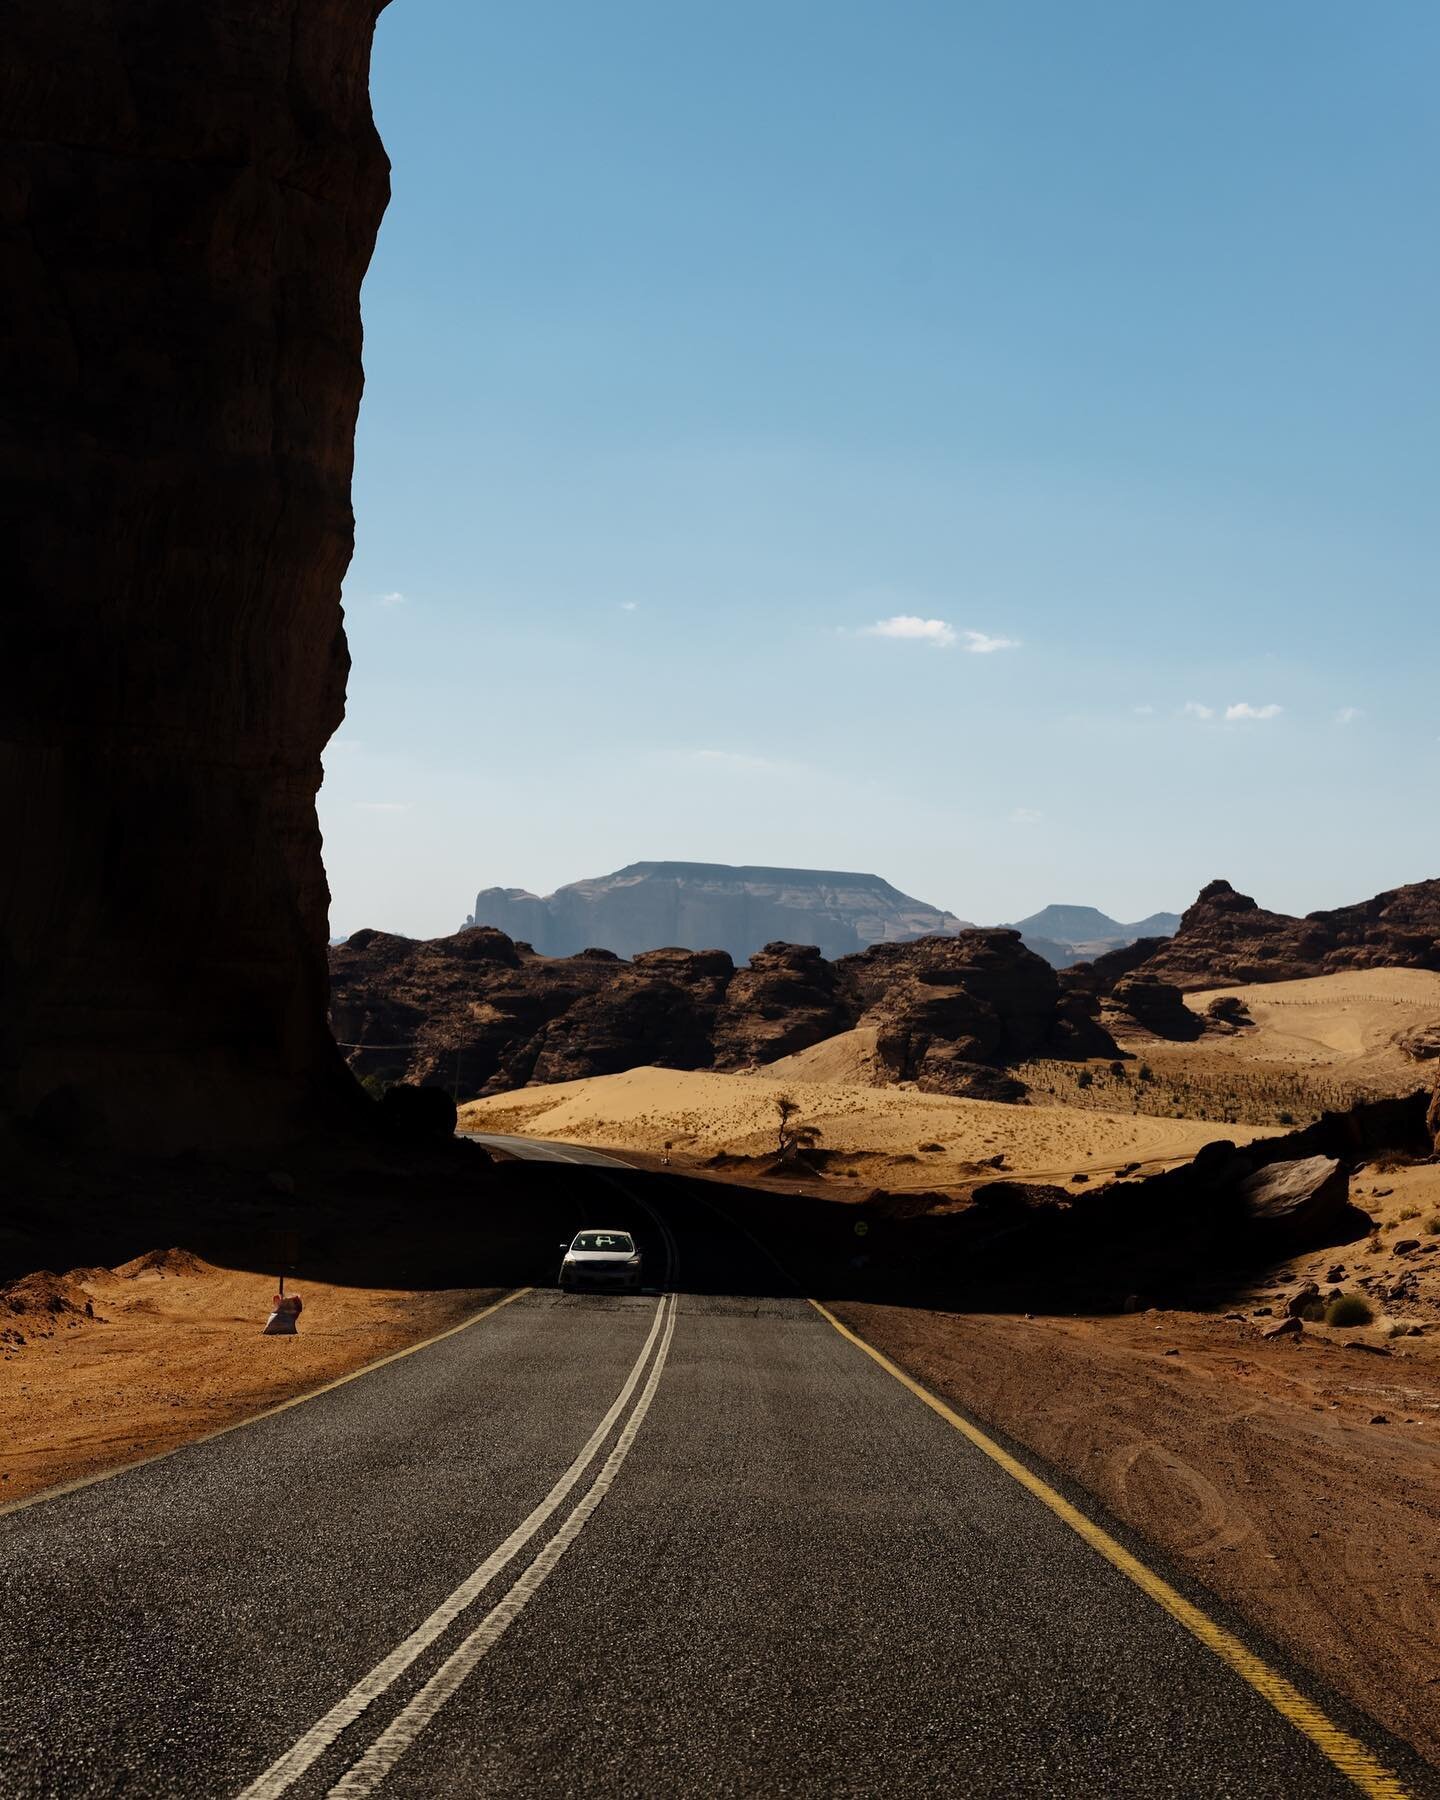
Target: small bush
[1085, 1079]
[1432, 1225]
[1410, 1212]
[1144, 1073]
[1285, 1118]
[1349, 1309]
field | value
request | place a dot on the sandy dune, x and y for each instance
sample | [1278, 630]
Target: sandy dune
[885, 1129]
[1347, 1023]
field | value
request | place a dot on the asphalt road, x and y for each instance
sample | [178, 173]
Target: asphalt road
[688, 1542]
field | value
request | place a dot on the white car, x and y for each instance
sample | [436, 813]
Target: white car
[601, 1259]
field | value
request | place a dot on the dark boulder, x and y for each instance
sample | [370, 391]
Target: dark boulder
[1300, 1204]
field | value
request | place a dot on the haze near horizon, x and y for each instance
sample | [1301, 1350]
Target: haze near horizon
[989, 449]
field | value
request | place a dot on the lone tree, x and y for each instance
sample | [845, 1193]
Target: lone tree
[785, 1130]
[790, 1137]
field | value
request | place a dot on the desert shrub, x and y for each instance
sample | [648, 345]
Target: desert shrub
[1432, 1225]
[1117, 1069]
[1285, 1118]
[1314, 1311]
[1085, 1079]
[1349, 1309]
[1144, 1073]
[1410, 1212]
[374, 1086]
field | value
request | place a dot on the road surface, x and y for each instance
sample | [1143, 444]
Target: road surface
[688, 1542]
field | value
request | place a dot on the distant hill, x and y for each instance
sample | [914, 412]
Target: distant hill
[713, 906]
[1065, 935]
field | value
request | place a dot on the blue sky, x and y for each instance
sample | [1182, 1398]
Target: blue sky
[701, 340]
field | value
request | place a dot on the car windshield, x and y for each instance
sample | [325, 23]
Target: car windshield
[603, 1240]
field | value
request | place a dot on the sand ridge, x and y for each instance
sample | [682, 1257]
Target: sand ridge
[1347, 1022]
[700, 1114]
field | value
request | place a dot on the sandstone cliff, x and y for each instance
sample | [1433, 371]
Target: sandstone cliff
[191, 201]
[482, 1014]
[737, 909]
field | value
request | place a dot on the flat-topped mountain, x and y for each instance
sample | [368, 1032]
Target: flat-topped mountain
[712, 906]
[1069, 934]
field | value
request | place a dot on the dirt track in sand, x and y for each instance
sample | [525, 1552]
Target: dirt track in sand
[172, 1352]
[1254, 1465]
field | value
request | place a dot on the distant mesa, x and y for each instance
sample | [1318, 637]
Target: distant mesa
[713, 906]
[1065, 935]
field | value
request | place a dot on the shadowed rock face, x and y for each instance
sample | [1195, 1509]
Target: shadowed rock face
[1226, 938]
[192, 199]
[482, 1014]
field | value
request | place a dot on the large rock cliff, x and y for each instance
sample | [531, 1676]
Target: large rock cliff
[735, 909]
[191, 199]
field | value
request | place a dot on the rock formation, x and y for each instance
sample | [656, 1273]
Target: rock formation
[192, 198]
[1225, 939]
[480, 1013]
[739, 910]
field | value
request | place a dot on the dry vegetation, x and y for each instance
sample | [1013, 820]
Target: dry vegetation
[1165, 1086]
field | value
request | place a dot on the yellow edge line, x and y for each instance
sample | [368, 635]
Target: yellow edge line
[141, 1462]
[1345, 1752]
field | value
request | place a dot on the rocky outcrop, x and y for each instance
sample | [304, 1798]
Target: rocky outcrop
[1141, 1005]
[1302, 1201]
[479, 1013]
[738, 909]
[191, 201]
[949, 1010]
[1225, 939]
[788, 998]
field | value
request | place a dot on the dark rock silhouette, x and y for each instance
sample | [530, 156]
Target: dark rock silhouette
[192, 201]
[479, 1013]
[1226, 939]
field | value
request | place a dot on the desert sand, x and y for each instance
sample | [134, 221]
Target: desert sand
[893, 1136]
[1347, 1024]
[171, 1350]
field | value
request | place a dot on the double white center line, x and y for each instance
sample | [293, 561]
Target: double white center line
[371, 1768]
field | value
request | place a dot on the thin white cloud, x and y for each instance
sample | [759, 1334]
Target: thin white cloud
[1347, 715]
[629, 605]
[392, 599]
[1195, 709]
[1026, 815]
[1242, 709]
[382, 805]
[734, 762]
[911, 629]
[1143, 712]
[940, 634]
